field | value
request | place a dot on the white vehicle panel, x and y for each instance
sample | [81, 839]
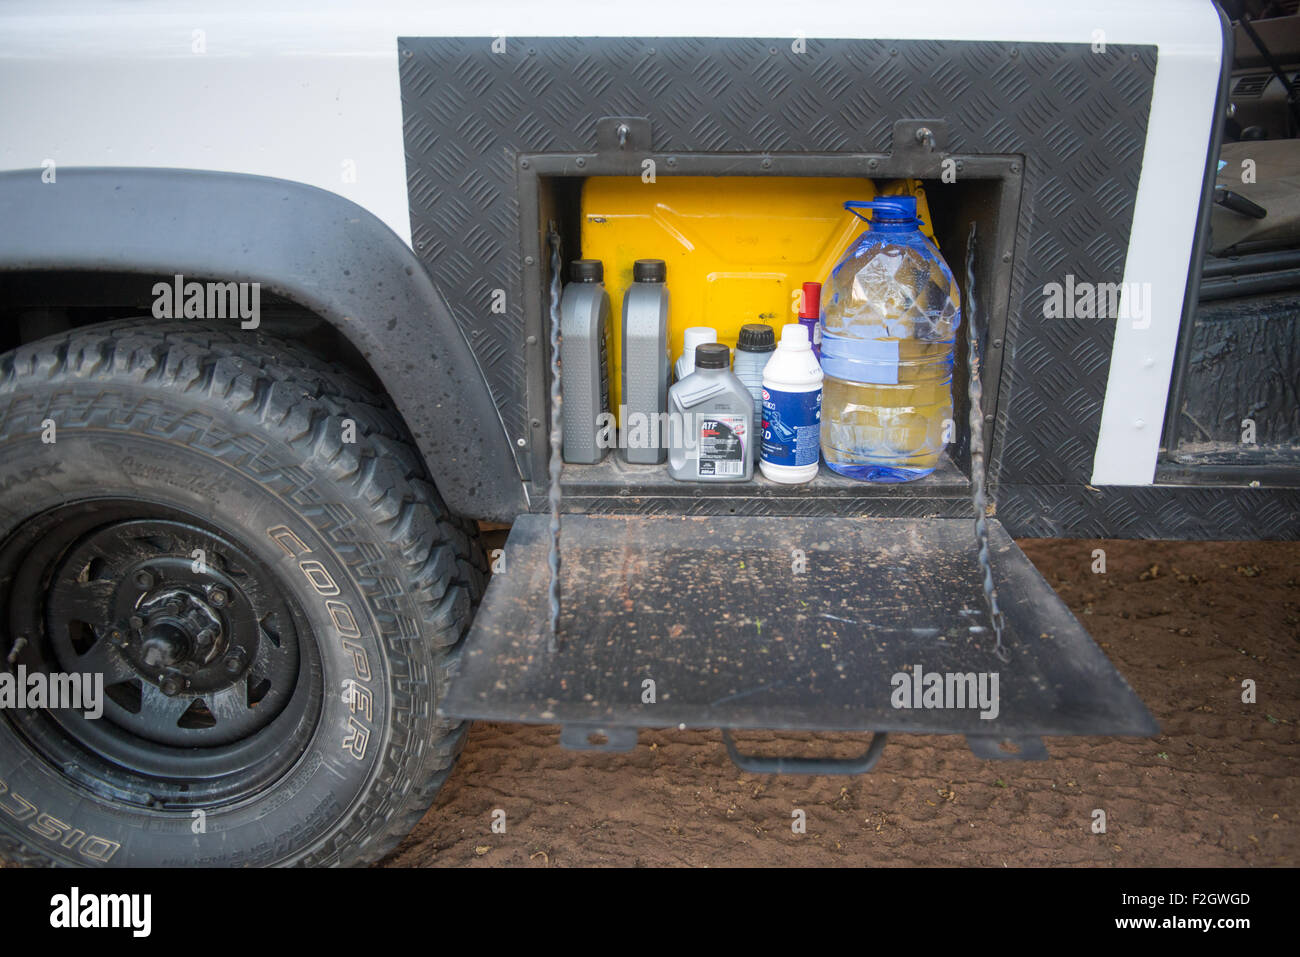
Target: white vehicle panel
[312, 94]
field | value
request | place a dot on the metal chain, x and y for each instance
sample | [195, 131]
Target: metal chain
[553, 491]
[978, 495]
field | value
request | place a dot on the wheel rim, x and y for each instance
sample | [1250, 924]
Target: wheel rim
[211, 674]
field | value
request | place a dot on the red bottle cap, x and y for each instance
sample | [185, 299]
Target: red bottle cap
[812, 300]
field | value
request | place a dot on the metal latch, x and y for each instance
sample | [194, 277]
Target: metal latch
[622, 134]
[922, 144]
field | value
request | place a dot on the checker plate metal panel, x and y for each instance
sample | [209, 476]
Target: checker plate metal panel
[1078, 117]
[731, 634]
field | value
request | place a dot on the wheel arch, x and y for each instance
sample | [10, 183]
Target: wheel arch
[309, 247]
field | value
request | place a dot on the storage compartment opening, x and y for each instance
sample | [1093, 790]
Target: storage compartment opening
[986, 197]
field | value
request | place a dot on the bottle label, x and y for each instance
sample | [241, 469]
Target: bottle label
[792, 424]
[722, 445]
[873, 361]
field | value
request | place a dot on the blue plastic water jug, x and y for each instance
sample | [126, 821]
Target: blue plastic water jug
[889, 317]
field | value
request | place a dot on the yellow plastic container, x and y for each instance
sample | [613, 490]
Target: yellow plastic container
[738, 248]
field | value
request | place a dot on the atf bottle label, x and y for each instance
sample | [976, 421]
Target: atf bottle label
[722, 445]
[792, 423]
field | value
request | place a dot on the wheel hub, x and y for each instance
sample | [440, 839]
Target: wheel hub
[198, 647]
[173, 628]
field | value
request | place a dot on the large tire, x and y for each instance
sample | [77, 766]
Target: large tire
[146, 467]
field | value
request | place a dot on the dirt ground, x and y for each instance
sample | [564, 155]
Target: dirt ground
[1184, 622]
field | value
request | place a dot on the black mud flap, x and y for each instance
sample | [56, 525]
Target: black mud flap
[817, 624]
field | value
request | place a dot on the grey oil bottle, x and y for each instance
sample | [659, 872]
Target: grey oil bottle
[645, 362]
[584, 339]
[710, 421]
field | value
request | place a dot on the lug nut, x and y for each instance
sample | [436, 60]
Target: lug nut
[218, 596]
[144, 578]
[204, 638]
[235, 660]
[172, 684]
[116, 637]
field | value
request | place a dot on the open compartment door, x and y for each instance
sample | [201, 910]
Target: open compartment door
[818, 624]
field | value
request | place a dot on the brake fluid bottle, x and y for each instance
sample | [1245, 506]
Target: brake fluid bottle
[889, 319]
[792, 409]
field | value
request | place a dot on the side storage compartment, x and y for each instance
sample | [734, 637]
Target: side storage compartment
[746, 602]
[738, 246]
[833, 605]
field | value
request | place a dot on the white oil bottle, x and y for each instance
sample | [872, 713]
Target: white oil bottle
[692, 337]
[792, 410]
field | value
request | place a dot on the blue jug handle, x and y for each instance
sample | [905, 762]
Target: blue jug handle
[854, 205]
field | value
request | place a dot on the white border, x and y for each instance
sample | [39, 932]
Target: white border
[293, 92]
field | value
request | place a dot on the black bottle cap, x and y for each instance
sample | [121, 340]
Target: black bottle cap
[712, 355]
[587, 270]
[650, 270]
[756, 337]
